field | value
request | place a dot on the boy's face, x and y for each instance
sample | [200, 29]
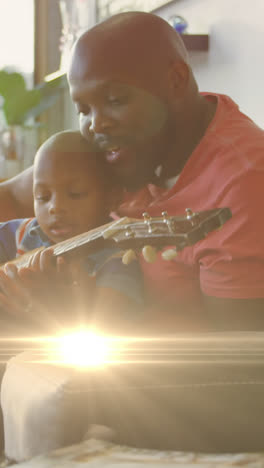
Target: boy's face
[69, 195]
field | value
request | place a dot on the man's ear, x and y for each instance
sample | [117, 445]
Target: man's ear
[178, 75]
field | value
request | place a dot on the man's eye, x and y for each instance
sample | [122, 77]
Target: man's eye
[83, 110]
[77, 195]
[42, 198]
[117, 100]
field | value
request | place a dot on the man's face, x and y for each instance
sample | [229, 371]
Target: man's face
[126, 124]
[69, 196]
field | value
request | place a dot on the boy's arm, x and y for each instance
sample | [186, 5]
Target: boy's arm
[16, 198]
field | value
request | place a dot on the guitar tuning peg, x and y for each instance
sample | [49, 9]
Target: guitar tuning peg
[146, 217]
[147, 221]
[189, 213]
[149, 253]
[169, 254]
[128, 257]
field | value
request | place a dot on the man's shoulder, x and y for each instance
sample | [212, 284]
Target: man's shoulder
[232, 147]
[231, 122]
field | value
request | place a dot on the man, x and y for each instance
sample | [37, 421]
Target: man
[141, 110]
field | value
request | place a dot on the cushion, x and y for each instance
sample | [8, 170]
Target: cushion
[198, 393]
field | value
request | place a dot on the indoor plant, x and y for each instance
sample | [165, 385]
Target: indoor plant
[20, 107]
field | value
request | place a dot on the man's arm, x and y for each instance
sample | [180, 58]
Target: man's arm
[16, 198]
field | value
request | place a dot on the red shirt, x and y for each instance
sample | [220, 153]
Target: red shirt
[225, 170]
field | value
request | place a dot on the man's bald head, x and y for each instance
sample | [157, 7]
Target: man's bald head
[136, 47]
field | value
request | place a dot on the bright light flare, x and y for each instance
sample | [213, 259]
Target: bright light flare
[83, 349]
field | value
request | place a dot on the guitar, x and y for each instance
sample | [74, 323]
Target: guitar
[145, 234]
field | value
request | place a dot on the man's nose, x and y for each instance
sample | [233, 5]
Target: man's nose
[100, 122]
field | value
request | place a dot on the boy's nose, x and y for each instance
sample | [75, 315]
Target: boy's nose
[57, 205]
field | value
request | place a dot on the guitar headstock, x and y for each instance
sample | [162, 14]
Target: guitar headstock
[177, 231]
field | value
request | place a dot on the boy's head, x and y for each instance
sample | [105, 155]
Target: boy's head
[73, 191]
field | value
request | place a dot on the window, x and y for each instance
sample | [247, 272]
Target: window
[107, 8]
[17, 36]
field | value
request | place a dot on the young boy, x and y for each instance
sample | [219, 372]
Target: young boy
[73, 194]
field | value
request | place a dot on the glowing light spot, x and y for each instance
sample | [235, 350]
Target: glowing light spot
[83, 349]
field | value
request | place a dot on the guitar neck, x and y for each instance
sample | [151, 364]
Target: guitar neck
[127, 233]
[86, 242]
[78, 246]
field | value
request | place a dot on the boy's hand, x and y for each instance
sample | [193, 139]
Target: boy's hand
[16, 299]
[47, 290]
[45, 268]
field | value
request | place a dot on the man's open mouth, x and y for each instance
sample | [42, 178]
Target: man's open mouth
[112, 155]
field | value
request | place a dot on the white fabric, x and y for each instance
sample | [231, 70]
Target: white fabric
[40, 407]
[98, 454]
